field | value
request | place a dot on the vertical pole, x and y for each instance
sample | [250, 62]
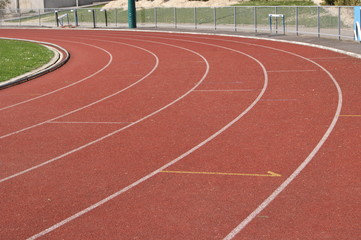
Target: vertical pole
[93, 14]
[270, 23]
[235, 18]
[195, 18]
[297, 21]
[255, 19]
[132, 14]
[39, 17]
[106, 17]
[76, 17]
[215, 18]
[276, 21]
[155, 17]
[116, 17]
[339, 23]
[318, 21]
[175, 18]
[56, 18]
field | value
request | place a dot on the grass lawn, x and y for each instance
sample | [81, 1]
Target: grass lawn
[18, 57]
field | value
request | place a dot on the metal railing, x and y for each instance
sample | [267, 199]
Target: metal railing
[334, 22]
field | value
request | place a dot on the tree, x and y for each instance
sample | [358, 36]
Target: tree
[4, 3]
[342, 2]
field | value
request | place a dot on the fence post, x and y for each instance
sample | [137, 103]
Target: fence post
[339, 23]
[175, 18]
[39, 17]
[276, 21]
[318, 22]
[155, 18]
[56, 18]
[235, 18]
[255, 19]
[215, 18]
[195, 18]
[93, 14]
[297, 21]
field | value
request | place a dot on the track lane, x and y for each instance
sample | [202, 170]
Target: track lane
[124, 115]
[86, 94]
[153, 134]
[152, 191]
[246, 232]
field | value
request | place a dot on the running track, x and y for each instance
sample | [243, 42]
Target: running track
[137, 135]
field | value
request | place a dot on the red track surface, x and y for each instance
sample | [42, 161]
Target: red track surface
[84, 148]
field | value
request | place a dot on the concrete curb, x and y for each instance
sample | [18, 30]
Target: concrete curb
[61, 56]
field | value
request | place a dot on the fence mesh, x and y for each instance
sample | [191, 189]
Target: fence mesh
[334, 22]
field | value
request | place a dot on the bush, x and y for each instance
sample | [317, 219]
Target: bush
[4, 3]
[342, 2]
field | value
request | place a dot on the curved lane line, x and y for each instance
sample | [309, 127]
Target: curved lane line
[95, 102]
[299, 169]
[309, 158]
[121, 129]
[143, 179]
[70, 85]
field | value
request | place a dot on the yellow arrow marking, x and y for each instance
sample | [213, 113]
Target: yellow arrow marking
[269, 173]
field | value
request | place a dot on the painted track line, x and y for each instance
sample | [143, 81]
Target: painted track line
[70, 85]
[121, 129]
[309, 158]
[150, 175]
[54, 122]
[299, 169]
[95, 102]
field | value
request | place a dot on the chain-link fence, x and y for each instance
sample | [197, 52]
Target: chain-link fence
[335, 22]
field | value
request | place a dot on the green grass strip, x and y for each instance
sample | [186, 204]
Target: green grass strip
[19, 57]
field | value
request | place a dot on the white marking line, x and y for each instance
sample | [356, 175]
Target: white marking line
[299, 169]
[70, 85]
[231, 90]
[90, 122]
[325, 58]
[125, 127]
[270, 100]
[289, 71]
[71, 218]
[238, 82]
[93, 103]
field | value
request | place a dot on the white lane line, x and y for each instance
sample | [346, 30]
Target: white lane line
[95, 102]
[299, 169]
[224, 82]
[226, 90]
[275, 100]
[141, 180]
[327, 58]
[290, 71]
[70, 85]
[309, 158]
[125, 127]
[89, 122]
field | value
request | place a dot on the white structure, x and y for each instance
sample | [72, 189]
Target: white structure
[40, 4]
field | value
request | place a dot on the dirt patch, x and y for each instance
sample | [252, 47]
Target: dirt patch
[171, 3]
